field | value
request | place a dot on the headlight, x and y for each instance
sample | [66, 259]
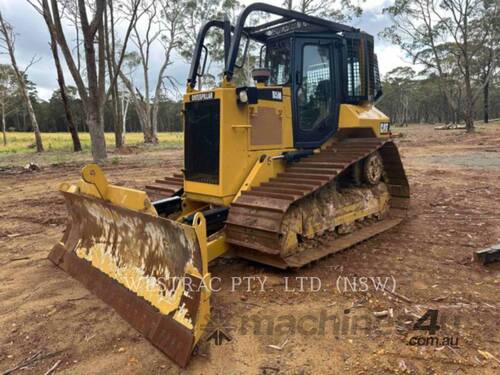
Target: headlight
[243, 96]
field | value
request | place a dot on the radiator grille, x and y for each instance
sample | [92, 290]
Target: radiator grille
[201, 141]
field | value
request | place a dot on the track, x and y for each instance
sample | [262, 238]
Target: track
[254, 224]
[166, 187]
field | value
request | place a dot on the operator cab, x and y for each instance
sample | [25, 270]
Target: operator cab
[323, 63]
[310, 66]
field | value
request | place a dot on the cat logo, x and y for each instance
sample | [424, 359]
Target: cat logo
[202, 96]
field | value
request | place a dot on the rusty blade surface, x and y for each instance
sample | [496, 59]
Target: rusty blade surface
[139, 264]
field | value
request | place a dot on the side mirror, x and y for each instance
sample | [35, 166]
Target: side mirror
[261, 75]
[263, 50]
[201, 69]
[244, 54]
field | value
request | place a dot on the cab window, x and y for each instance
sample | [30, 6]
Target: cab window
[278, 62]
[314, 94]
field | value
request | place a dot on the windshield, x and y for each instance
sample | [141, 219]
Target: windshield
[278, 62]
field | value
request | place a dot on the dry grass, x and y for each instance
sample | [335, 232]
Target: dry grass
[59, 148]
[20, 142]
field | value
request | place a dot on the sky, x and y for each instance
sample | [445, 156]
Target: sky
[32, 39]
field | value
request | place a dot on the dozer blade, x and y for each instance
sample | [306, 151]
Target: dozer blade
[151, 270]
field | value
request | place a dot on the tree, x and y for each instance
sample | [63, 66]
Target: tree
[131, 63]
[111, 46]
[44, 10]
[431, 31]
[330, 9]
[401, 79]
[124, 97]
[94, 94]
[197, 12]
[163, 19]
[486, 61]
[7, 91]
[7, 39]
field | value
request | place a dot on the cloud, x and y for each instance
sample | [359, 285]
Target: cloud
[370, 5]
[390, 57]
[31, 39]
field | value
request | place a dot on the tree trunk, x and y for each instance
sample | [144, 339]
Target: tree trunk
[77, 146]
[94, 107]
[95, 122]
[94, 110]
[148, 130]
[157, 99]
[469, 123]
[486, 96]
[110, 56]
[405, 111]
[124, 104]
[140, 108]
[117, 113]
[34, 123]
[469, 113]
[148, 126]
[469, 95]
[4, 133]
[154, 124]
[143, 119]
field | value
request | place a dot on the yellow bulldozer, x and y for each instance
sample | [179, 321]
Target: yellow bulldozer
[285, 171]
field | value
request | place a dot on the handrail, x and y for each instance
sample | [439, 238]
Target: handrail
[200, 41]
[290, 14]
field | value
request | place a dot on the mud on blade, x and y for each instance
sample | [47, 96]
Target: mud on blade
[149, 269]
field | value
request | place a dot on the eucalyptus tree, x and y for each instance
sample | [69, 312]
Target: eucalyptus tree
[160, 27]
[96, 82]
[7, 42]
[8, 88]
[433, 32]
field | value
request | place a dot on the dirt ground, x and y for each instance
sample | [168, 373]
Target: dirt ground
[455, 209]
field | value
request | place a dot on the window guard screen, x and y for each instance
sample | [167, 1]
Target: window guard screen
[363, 80]
[354, 70]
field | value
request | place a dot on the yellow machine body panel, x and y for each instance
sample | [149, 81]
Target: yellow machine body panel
[249, 132]
[244, 139]
[365, 116]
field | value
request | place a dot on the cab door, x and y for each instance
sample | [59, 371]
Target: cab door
[316, 91]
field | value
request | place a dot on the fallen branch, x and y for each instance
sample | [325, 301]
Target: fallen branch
[397, 295]
[79, 298]
[251, 304]
[279, 347]
[14, 260]
[487, 355]
[25, 362]
[53, 368]
[455, 351]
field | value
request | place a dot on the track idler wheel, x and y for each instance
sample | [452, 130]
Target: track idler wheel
[373, 168]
